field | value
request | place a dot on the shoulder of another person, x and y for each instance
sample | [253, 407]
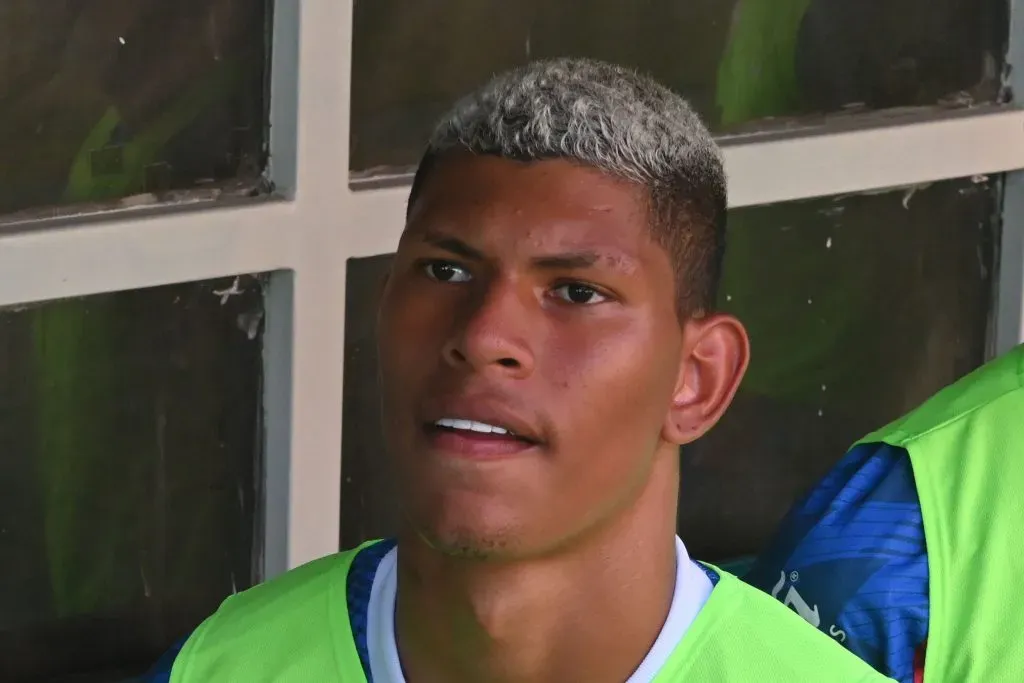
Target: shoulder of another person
[976, 396]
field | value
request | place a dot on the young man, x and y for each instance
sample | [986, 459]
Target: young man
[546, 344]
[905, 552]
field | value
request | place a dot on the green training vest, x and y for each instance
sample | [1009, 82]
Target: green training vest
[966, 446]
[295, 629]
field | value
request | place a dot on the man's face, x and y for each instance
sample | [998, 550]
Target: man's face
[529, 298]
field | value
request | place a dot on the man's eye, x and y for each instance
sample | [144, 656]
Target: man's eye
[579, 294]
[443, 271]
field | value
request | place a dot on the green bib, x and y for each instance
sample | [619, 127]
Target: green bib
[295, 629]
[966, 446]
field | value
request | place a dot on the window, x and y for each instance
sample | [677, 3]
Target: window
[130, 485]
[891, 280]
[739, 61]
[105, 100]
[858, 307]
[279, 205]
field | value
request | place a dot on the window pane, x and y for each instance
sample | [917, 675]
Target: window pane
[106, 99]
[130, 473]
[858, 308]
[737, 60]
[368, 508]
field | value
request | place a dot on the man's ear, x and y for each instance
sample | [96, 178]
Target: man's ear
[715, 355]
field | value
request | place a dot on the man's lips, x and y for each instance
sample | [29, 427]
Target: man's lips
[478, 427]
[472, 439]
[482, 415]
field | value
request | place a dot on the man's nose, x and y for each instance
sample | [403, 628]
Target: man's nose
[494, 331]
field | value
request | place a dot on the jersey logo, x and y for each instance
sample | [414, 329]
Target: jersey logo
[798, 604]
[795, 601]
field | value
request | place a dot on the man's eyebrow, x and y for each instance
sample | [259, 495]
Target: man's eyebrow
[584, 259]
[454, 246]
[572, 260]
[567, 261]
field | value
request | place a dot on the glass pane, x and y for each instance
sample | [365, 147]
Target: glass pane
[858, 308]
[105, 99]
[130, 474]
[737, 60]
[368, 507]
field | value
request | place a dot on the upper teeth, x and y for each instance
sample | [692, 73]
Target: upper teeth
[471, 425]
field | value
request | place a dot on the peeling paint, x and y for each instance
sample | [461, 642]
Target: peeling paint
[141, 204]
[231, 291]
[957, 99]
[20, 307]
[249, 323]
[907, 195]
[908, 191]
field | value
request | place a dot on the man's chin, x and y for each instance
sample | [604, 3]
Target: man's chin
[471, 544]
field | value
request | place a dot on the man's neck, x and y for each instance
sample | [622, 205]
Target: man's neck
[461, 620]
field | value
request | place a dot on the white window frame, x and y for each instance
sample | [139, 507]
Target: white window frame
[315, 223]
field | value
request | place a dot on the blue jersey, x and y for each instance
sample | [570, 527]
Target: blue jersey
[851, 559]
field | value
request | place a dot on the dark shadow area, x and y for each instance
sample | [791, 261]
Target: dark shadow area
[130, 473]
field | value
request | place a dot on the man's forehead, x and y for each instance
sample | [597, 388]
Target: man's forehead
[549, 241]
[542, 206]
[465, 182]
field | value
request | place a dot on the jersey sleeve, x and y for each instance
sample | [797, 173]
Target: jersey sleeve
[851, 559]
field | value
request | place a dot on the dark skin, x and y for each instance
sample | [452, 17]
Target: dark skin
[531, 296]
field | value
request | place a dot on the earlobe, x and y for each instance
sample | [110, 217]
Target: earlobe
[715, 355]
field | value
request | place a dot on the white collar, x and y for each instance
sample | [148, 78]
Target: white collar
[692, 589]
